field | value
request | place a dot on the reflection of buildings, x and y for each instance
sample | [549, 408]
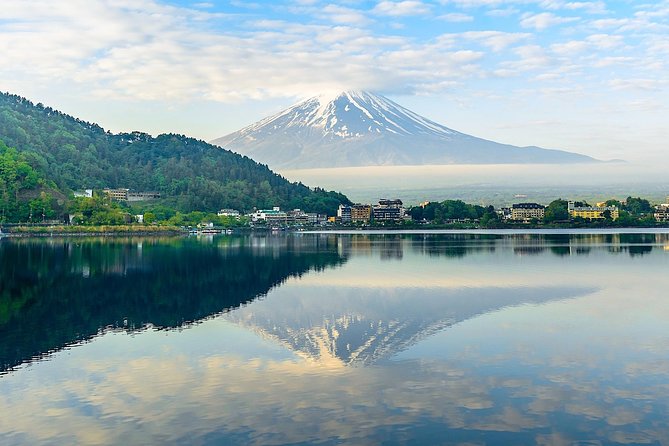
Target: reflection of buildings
[633, 244]
[91, 284]
[393, 246]
[386, 246]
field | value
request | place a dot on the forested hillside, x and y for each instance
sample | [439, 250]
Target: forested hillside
[72, 154]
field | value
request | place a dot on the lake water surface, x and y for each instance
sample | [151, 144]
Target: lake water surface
[454, 338]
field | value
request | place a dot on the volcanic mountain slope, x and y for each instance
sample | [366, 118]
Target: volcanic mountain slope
[357, 128]
[190, 174]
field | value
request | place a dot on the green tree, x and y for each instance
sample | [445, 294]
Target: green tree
[190, 174]
[23, 192]
[490, 219]
[556, 211]
[638, 206]
[149, 217]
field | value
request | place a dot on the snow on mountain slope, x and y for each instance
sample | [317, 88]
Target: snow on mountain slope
[357, 128]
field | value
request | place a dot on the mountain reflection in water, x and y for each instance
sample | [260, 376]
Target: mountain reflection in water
[324, 338]
[61, 291]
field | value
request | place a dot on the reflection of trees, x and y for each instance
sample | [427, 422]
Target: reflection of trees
[560, 250]
[55, 293]
[392, 246]
[639, 244]
[453, 245]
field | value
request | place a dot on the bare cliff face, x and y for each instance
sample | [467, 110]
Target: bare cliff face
[357, 128]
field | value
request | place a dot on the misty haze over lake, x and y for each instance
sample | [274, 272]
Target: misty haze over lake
[494, 184]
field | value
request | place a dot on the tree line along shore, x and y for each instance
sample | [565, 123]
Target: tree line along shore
[99, 215]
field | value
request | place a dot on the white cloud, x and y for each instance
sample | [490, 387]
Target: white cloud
[469, 4]
[606, 41]
[144, 50]
[495, 40]
[456, 17]
[590, 7]
[543, 20]
[502, 12]
[530, 57]
[569, 48]
[639, 84]
[147, 51]
[401, 8]
[343, 15]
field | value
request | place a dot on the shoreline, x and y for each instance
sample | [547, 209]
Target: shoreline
[89, 234]
[84, 231]
[507, 231]
[177, 232]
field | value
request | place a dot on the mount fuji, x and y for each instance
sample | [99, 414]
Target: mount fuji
[358, 128]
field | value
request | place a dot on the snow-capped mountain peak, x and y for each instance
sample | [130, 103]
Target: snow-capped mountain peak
[358, 128]
[351, 114]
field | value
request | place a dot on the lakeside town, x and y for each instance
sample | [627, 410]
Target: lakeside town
[119, 210]
[393, 211]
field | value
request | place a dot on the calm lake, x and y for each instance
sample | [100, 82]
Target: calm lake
[452, 338]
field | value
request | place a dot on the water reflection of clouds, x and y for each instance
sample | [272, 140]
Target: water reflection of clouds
[551, 370]
[260, 401]
[272, 402]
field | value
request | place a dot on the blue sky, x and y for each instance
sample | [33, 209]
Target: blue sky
[586, 76]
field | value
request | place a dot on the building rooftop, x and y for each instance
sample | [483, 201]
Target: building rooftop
[528, 206]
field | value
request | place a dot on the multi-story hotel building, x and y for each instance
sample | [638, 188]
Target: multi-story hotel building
[274, 215]
[361, 213]
[527, 211]
[123, 194]
[592, 212]
[388, 210]
[344, 213]
[117, 194]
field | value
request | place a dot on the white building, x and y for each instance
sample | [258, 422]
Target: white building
[274, 215]
[229, 213]
[88, 193]
[344, 213]
[527, 211]
[662, 212]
